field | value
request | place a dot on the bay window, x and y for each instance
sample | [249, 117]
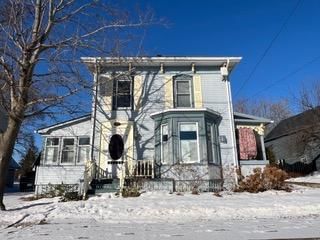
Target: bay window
[188, 142]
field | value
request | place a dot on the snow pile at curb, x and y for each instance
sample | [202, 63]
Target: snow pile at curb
[163, 207]
[312, 178]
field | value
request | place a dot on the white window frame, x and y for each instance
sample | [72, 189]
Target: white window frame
[176, 92]
[78, 147]
[74, 150]
[179, 144]
[116, 94]
[45, 162]
[161, 142]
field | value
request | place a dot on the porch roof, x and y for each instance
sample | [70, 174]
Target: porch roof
[247, 118]
[46, 130]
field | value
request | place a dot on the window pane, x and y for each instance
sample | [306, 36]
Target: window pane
[83, 154]
[68, 142]
[84, 141]
[51, 155]
[188, 142]
[123, 101]
[183, 87]
[189, 151]
[67, 157]
[52, 141]
[124, 86]
[68, 151]
[183, 101]
[164, 144]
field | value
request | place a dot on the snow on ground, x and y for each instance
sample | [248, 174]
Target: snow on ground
[157, 207]
[160, 215]
[312, 178]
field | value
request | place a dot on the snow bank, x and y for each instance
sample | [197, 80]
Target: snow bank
[312, 178]
[163, 207]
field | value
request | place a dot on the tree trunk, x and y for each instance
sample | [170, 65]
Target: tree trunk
[7, 142]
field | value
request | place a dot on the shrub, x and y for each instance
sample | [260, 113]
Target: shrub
[130, 192]
[270, 178]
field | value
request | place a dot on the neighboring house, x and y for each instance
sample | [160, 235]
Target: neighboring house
[167, 119]
[297, 139]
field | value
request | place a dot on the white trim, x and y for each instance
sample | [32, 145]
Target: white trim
[43, 131]
[185, 110]
[74, 151]
[198, 147]
[176, 92]
[166, 61]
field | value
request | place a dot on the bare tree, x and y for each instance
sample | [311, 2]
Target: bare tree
[274, 110]
[40, 44]
[308, 102]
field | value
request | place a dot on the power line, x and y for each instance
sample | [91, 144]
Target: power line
[286, 76]
[269, 46]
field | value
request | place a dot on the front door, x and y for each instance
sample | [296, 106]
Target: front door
[117, 146]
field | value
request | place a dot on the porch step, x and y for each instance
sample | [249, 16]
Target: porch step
[105, 185]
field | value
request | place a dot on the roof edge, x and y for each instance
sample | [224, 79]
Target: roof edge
[60, 124]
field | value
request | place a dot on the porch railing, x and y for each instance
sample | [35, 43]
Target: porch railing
[140, 168]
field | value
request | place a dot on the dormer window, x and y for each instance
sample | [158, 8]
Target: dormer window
[122, 93]
[183, 91]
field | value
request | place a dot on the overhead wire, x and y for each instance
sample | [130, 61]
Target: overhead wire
[298, 3]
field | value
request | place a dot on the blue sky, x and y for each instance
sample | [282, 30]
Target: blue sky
[245, 28]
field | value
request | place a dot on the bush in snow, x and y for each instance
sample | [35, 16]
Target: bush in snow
[270, 178]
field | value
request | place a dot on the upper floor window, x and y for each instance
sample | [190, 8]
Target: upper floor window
[122, 93]
[183, 91]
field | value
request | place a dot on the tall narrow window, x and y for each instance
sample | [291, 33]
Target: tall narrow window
[122, 94]
[67, 151]
[182, 91]
[83, 150]
[189, 150]
[52, 151]
[215, 144]
[164, 144]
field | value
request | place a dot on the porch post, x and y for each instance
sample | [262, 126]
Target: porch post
[263, 147]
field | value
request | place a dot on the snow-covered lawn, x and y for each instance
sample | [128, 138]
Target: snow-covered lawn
[154, 209]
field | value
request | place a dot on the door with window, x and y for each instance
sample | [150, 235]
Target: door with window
[117, 147]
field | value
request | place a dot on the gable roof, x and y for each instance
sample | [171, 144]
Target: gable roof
[294, 124]
[247, 118]
[50, 128]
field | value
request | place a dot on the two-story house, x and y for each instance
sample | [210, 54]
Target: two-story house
[167, 119]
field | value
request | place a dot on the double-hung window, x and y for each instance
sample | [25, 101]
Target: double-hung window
[68, 153]
[52, 151]
[122, 93]
[83, 150]
[188, 142]
[183, 91]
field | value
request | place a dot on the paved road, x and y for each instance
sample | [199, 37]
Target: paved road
[303, 228]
